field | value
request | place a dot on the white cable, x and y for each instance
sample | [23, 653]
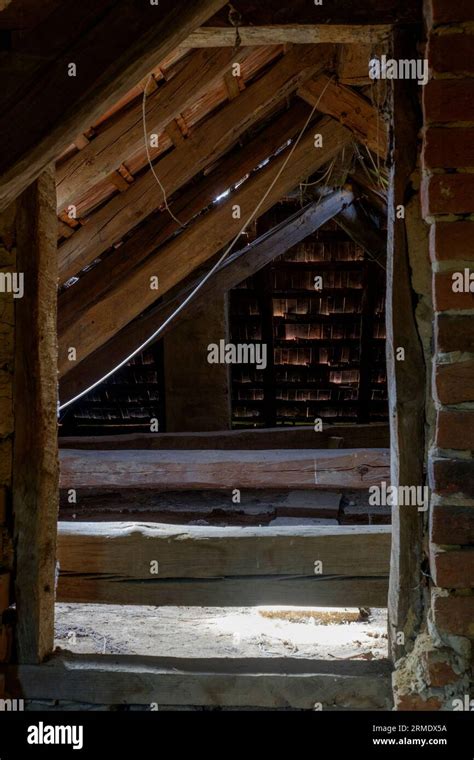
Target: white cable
[209, 274]
[147, 148]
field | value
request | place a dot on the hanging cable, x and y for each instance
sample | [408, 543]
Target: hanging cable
[209, 274]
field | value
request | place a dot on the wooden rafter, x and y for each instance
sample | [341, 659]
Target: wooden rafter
[158, 228]
[56, 106]
[124, 137]
[208, 142]
[239, 265]
[201, 241]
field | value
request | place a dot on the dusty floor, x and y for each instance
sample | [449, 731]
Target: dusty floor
[216, 632]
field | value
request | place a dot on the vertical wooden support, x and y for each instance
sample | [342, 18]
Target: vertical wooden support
[405, 374]
[35, 457]
[196, 392]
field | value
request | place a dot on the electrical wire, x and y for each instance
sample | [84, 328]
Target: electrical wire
[209, 274]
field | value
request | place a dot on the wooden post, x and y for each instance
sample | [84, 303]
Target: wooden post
[35, 457]
[405, 369]
[197, 392]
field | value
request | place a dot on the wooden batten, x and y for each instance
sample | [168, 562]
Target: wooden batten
[297, 34]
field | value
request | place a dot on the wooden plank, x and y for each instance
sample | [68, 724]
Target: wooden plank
[405, 379]
[125, 550]
[371, 436]
[225, 682]
[208, 142]
[350, 108]
[132, 39]
[298, 34]
[203, 566]
[124, 136]
[198, 243]
[337, 468]
[156, 229]
[35, 465]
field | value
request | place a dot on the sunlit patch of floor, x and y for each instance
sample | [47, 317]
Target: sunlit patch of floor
[221, 632]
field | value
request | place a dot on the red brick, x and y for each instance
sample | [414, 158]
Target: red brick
[454, 333]
[451, 53]
[444, 298]
[416, 702]
[454, 383]
[452, 525]
[4, 591]
[452, 569]
[448, 100]
[448, 148]
[438, 668]
[448, 194]
[452, 241]
[448, 11]
[455, 430]
[453, 614]
[451, 476]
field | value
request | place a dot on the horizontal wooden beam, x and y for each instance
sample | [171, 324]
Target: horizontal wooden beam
[375, 435]
[106, 152]
[114, 563]
[269, 682]
[208, 142]
[350, 108]
[130, 40]
[196, 245]
[170, 469]
[280, 34]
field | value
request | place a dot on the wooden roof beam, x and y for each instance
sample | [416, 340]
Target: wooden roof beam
[124, 137]
[208, 142]
[54, 107]
[280, 34]
[235, 269]
[200, 242]
[350, 108]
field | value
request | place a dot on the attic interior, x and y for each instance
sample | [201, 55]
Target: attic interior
[237, 348]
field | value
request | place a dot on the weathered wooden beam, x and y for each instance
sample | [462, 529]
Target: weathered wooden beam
[124, 136]
[200, 566]
[371, 436]
[200, 241]
[338, 468]
[56, 106]
[405, 379]
[281, 34]
[236, 268]
[35, 464]
[155, 230]
[225, 682]
[350, 108]
[202, 148]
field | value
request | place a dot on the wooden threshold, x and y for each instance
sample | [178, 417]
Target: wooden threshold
[224, 682]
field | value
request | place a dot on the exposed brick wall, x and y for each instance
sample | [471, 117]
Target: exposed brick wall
[437, 670]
